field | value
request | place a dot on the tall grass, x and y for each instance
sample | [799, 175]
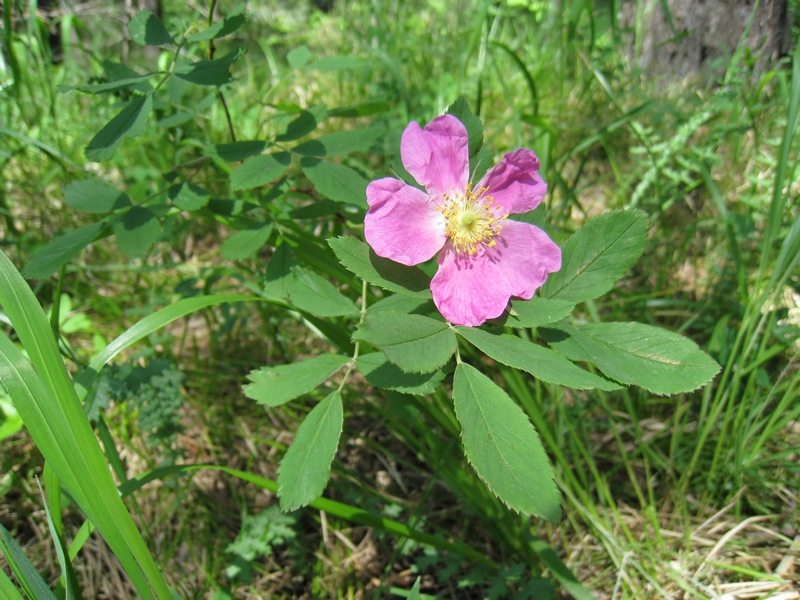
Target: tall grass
[643, 477]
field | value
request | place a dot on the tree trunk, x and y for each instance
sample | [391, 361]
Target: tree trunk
[706, 33]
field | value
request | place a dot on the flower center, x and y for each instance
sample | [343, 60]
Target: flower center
[471, 219]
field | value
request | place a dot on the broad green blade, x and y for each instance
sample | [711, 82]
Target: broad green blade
[46, 400]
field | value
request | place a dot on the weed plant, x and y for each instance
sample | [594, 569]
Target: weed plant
[690, 494]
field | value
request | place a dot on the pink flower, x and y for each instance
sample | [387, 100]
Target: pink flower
[485, 257]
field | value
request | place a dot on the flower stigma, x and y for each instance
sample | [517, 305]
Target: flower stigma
[471, 219]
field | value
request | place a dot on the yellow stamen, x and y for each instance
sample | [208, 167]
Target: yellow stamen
[472, 219]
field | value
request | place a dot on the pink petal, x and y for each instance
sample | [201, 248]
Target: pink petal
[514, 183]
[437, 156]
[402, 223]
[526, 256]
[470, 289]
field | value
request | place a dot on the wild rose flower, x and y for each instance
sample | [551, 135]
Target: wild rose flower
[485, 257]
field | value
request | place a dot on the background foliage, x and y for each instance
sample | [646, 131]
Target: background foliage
[155, 174]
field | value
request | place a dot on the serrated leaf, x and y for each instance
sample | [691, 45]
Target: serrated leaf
[387, 376]
[137, 231]
[303, 124]
[129, 122]
[537, 312]
[337, 182]
[306, 467]
[274, 386]
[147, 29]
[210, 72]
[303, 289]
[404, 304]
[359, 258]
[189, 196]
[61, 250]
[247, 242]
[341, 142]
[237, 151]
[227, 26]
[314, 294]
[503, 446]
[596, 256]
[279, 270]
[260, 170]
[542, 363]
[93, 196]
[415, 343]
[660, 361]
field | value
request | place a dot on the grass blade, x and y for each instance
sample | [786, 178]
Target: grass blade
[46, 400]
[27, 575]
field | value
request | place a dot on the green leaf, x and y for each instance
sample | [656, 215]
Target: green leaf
[658, 360]
[62, 250]
[260, 170]
[306, 468]
[359, 258]
[227, 26]
[10, 421]
[188, 196]
[337, 182]
[404, 304]
[316, 295]
[387, 376]
[503, 446]
[303, 124]
[298, 57]
[362, 109]
[111, 86]
[414, 593]
[461, 110]
[210, 72]
[247, 242]
[596, 256]
[92, 196]
[540, 362]
[128, 123]
[341, 142]
[537, 312]
[415, 343]
[303, 289]
[480, 159]
[179, 118]
[148, 30]
[137, 231]
[274, 386]
[237, 151]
